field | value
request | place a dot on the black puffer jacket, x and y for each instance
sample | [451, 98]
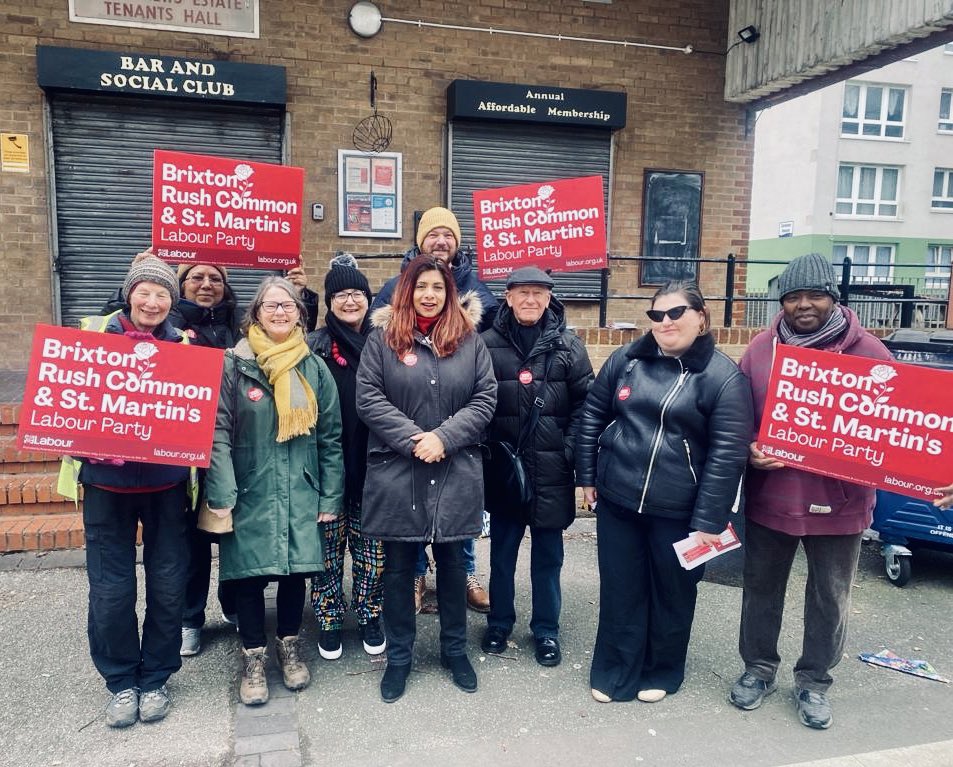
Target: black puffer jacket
[548, 456]
[667, 436]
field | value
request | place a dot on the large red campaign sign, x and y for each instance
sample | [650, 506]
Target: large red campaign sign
[215, 210]
[558, 225]
[883, 424]
[105, 395]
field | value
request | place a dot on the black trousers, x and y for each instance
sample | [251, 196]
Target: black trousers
[250, 604]
[400, 619]
[111, 520]
[646, 603]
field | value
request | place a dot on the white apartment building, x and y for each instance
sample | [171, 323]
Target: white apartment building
[862, 169]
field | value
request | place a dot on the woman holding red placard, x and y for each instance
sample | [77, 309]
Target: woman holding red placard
[117, 496]
[662, 442]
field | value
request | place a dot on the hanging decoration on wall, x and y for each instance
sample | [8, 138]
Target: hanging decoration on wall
[373, 133]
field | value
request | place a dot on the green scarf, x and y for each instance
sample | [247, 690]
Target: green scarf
[294, 399]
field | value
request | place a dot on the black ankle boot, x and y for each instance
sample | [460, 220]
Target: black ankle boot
[461, 671]
[394, 682]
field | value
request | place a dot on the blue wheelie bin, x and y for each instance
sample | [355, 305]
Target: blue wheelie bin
[904, 523]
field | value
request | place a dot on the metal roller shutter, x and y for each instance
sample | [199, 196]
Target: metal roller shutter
[102, 176]
[489, 154]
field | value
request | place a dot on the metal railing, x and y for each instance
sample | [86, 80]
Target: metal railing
[915, 301]
[888, 302]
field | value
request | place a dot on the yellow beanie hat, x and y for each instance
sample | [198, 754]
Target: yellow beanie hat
[435, 217]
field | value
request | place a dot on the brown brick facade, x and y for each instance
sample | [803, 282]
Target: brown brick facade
[677, 118]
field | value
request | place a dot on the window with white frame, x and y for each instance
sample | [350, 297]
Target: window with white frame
[938, 266]
[942, 189]
[867, 190]
[874, 111]
[870, 262]
[945, 124]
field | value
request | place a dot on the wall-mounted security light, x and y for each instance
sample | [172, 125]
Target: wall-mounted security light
[364, 19]
[747, 35]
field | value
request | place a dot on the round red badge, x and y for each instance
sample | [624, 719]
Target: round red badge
[526, 377]
[190, 333]
[624, 393]
[255, 394]
[410, 359]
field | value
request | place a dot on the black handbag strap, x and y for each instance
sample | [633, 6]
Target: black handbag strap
[538, 403]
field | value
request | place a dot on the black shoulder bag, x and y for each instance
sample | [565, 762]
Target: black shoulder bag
[505, 480]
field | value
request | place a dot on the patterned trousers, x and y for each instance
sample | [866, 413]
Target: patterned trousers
[367, 565]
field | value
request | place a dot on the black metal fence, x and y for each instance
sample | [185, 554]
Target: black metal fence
[917, 300]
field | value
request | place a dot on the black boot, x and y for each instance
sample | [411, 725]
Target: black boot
[394, 682]
[461, 671]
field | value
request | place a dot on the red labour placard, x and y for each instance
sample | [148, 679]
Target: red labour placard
[216, 210]
[558, 225]
[105, 395]
[883, 424]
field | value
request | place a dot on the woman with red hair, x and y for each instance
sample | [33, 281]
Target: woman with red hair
[426, 390]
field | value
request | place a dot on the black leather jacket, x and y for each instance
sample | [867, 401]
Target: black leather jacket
[667, 436]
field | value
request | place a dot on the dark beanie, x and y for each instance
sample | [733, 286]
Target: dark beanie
[809, 272]
[151, 269]
[344, 275]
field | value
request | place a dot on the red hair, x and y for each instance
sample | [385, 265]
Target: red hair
[453, 323]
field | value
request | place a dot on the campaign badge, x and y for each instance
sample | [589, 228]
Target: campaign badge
[624, 393]
[255, 394]
[410, 359]
[526, 377]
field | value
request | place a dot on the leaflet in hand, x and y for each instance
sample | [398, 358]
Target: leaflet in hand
[691, 553]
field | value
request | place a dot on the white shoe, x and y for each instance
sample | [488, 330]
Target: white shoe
[600, 696]
[651, 696]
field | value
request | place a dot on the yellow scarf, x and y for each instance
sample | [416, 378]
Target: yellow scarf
[294, 399]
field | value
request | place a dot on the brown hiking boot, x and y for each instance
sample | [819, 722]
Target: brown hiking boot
[477, 598]
[295, 673]
[254, 687]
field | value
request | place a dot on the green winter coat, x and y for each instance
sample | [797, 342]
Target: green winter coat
[276, 491]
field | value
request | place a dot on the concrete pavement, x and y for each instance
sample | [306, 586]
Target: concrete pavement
[51, 698]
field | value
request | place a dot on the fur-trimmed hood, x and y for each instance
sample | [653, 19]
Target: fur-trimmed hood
[470, 301]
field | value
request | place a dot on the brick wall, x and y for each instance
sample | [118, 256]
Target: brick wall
[677, 117]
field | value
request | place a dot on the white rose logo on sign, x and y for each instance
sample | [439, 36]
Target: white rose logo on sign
[545, 193]
[243, 172]
[144, 351]
[881, 374]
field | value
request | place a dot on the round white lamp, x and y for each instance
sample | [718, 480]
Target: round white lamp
[364, 19]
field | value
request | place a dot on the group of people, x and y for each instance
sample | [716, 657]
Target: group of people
[370, 433]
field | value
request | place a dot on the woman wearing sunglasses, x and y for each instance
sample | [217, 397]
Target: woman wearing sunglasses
[662, 444]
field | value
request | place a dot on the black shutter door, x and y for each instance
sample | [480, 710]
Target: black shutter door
[102, 157]
[489, 154]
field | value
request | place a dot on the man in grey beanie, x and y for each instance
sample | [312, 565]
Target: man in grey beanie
[787, 506]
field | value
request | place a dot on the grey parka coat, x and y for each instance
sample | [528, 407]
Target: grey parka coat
[406, 499]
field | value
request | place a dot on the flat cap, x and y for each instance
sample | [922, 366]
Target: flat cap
[529, 275]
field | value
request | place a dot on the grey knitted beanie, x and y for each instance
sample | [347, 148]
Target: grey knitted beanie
[151, 269]
[809, 272]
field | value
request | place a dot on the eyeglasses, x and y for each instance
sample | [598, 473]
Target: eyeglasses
[344, 295]
[198, 279]
[673, 314]
[270, 307]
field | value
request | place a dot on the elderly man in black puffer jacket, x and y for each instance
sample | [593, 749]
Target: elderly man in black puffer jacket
[528, 343]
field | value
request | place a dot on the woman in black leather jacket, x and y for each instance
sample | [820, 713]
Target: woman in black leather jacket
[662, 444]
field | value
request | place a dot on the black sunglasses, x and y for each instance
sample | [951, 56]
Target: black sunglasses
[673, 314]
